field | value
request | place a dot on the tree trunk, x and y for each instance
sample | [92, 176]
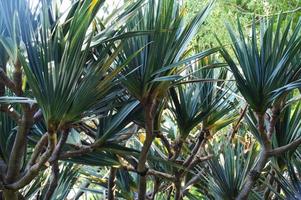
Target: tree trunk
[254, 174]
[111, 184]
[178, 194]
[141, 167]
[53, 180]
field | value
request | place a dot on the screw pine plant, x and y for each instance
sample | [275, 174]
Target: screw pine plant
[111, 103]
[264, 75]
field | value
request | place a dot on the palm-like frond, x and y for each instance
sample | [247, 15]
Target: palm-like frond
[62, 78]
[57, 70]
[266, 70]
[205, 101]
[150, 73]
[228, 170]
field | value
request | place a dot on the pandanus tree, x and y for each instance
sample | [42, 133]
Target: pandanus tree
[156, 66]
[121, 106]
[265, 72]
[203, 102]
[63, 82]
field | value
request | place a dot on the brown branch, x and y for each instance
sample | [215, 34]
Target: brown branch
[198, 160]
[17, 78]
[289, 147]
[262, 160]
[236, 126]
[12, 113]
[53, 180]
[151, 172]
[149, 110]
[7, 81]
[57, 151]
[75, 153]
[38, 116]
[33, 171]
[253, 176]
[112, 184]
[160, 174]
[37, 150]
[178, 187]
[274, 117]
[204, 133]
[19, 146]
[165, 142]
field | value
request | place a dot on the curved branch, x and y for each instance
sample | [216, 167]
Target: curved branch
[280, 150]
[7, 81]
[33, 171]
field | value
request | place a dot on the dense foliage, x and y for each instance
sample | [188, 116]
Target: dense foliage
[151, 99]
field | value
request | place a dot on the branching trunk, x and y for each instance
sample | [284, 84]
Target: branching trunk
[111, 183]
[18, 150]
[141, 168]
[254, 174]
[53, 160]
[33, 171]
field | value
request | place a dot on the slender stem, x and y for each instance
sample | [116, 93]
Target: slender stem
[33, 171]
[57, 151]
[141, 168]
[196, 148]
[53, 160]
[3, 63]
[76, 153]
[17, 77]
[280, 150]
[10, 112]
[178, 188]
[7, 82]
[37, 150]
[236, 126]
[18, 150]
[166, 143]
[53, 180]
[111, 184]
[254, 174]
